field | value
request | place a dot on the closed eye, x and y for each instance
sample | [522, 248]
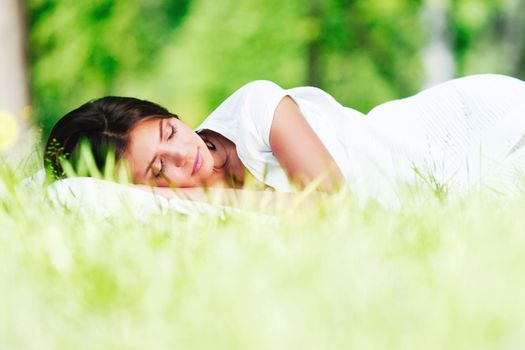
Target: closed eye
[173, 131]
[161, 170]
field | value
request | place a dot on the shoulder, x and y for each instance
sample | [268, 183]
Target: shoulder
[248, 110]
[260, 84]
[255, 101]
[259, 88]
[251, 96]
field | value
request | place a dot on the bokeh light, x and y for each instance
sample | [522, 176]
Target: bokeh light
[9, 130]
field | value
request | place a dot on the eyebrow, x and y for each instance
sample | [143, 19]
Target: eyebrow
[150, 164]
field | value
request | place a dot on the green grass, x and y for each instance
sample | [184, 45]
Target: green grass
[446, 273]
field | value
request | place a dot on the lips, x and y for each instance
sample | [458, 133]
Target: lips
[197, 163]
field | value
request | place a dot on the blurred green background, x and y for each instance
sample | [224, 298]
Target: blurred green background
[189, 55]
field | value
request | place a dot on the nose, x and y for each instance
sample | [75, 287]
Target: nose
[179, 156]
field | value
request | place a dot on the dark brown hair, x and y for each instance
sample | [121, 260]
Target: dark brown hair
[104, 124]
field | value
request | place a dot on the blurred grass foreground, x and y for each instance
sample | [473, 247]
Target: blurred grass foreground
[445, 273]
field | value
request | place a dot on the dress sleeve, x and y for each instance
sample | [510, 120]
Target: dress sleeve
[245, 118]
[260, 101]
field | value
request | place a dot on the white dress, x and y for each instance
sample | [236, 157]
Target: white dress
[463, 133]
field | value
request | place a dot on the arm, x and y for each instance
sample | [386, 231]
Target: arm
[300, 151]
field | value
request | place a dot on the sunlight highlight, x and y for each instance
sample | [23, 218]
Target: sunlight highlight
[9, 130]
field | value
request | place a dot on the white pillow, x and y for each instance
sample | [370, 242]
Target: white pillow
[106, 198]
[103, 198]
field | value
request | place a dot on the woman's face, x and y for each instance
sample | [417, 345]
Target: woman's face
[166, 152]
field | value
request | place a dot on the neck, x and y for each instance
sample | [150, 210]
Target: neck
[229, 167]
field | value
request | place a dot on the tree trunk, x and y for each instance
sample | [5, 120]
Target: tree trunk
[14, 94]
[438, 57]
[513, 36]
[313, 74]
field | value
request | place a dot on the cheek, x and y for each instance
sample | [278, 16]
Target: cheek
[208, 158]
[174, 176]
[171, 174]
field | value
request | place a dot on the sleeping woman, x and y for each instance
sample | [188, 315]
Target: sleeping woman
[463, 133]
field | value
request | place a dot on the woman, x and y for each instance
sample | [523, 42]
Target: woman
[464, 132]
